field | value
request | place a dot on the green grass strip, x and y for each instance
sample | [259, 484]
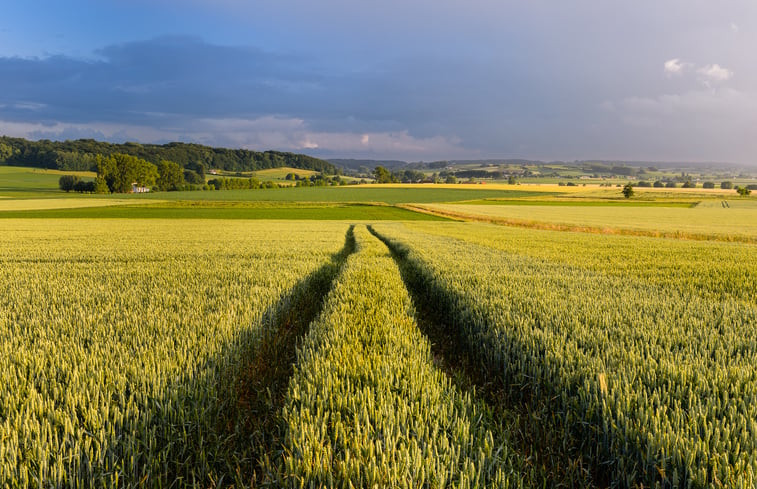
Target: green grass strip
[326, 213]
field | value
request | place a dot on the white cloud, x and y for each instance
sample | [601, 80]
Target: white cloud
[734, 27]
[715, 73]
[674, 67]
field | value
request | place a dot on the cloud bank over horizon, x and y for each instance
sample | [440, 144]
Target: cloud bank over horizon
[431, 80]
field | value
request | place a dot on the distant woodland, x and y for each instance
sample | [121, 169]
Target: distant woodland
[82, 154]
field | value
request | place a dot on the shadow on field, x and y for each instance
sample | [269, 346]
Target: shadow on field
[540, 439]
[261, 384]
[216, 427]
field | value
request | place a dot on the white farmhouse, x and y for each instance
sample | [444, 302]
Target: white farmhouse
[136, 189]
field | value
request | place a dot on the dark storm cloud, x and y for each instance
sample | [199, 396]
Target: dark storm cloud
[133, 82]
[165, 82]
[543, 79]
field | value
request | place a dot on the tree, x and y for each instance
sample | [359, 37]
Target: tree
[743, 191]
[82, 186]
[382, 175]
[67, 182]
[511, 180]
[726, 185]
[101, 186]
[193, 177]
[708, 185]
[628, 191]
[5, 152]
[170, 175]
[120, 171]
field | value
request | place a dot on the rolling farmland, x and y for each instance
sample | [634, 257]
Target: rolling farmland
[378, 245]
[334, 343]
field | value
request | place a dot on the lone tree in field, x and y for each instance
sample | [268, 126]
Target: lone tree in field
[627, 191]
[743, 191]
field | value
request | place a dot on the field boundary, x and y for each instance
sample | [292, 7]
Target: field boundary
[548, 226]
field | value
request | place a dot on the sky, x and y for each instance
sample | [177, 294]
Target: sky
[417, 80]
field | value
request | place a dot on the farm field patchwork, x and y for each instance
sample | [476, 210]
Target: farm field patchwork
[227, 342]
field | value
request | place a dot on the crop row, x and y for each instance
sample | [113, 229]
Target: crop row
[366, 407]
[654, 379]
[714, 270]
[120, 343]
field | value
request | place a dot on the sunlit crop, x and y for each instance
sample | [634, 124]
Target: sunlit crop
[367, 408]
[146, 353]
[120, 342]
[653, 373]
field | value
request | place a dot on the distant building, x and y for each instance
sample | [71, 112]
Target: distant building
[136, 189]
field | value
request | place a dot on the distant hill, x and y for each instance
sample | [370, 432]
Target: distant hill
[357, 165]
[361, 165]
[512, 161]
[80, 155]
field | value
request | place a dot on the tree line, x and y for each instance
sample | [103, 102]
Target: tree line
[82, 154]
[118, 173]
[384, 175]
